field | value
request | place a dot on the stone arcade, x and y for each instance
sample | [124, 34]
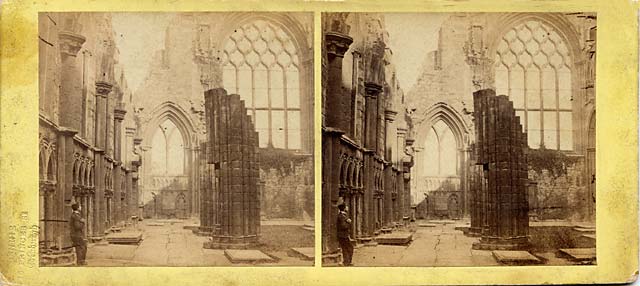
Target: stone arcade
[364, 134]
[89, 142]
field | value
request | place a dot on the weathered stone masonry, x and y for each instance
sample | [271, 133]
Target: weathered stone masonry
[83, 114]
[363, 140]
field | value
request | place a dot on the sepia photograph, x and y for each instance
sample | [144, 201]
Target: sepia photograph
[458, 139]
[176, 139]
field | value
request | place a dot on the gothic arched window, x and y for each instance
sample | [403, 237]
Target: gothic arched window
[167, 150]
[260, 63]
[533, 67]
[440, 151]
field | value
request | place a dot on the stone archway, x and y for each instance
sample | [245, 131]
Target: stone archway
[171, 151]
[451, 123]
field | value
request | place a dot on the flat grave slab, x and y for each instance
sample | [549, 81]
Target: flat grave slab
[308, 228]
[427, 225]
[124, 238]
[579, 254]
[443, 221]
[155, 224]
[515, 257]
[191, 226]
[398, 238]
[247, 256]
[305, 253]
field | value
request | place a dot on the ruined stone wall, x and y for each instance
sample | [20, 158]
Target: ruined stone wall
[287, 180]
[82, 127]
[463, 63]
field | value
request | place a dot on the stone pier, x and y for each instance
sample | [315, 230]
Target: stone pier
[233, 209]
[501, 214]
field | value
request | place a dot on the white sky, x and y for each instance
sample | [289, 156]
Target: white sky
[412, 36]
[138, 37]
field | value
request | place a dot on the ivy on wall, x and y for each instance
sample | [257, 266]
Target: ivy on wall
[280, 159]
[554, 161]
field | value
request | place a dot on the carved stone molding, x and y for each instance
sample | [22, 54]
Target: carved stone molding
[337, 43]
[118, 114]
[103, 88]
[70, 43]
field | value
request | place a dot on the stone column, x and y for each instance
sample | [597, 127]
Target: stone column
[502, 149]
[118, 116]
[234, 145]
[102, 92]
[387, 215]
[64, 196]
[401, 133]
[338, 105]
[71, 97]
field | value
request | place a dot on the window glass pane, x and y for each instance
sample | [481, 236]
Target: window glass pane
[245, 86]
[261, 81]
[175, 153]
[431, 154]
[534, 129]
[533, 88]
[564, 86]
[566, 128]
[229, 78]
[448, 153]
[262, 126]
[549, 88]
[293, 126]
[516, 94]
[293, 87]
[502, 79]
[158, 153]
[276, 85]
[550, 130]
[277, 128]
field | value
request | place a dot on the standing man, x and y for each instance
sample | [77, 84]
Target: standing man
[76, 224]
[344, 228]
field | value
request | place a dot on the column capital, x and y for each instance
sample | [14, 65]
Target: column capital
[390, 115]
[401, 130]
[70, 43]
[137, 141]
[337, 43]
[119, 113]
[409, 141]
[103, 88]
[372, 89]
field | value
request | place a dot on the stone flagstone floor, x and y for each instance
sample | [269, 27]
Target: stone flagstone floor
[166, 243]
[437, 245]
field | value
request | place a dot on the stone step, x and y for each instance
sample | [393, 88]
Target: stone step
[398, 238]
[247, 256]
[582, 255]
[515, 257]
[304, 253]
